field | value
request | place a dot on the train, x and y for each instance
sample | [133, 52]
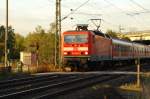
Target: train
[83, 48]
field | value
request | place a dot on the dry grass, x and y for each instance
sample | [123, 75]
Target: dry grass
[147, 74]
[1, 65]
[35, 69]
[42, 68]
[132, 87]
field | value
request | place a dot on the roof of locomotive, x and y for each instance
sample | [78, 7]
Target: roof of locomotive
[96, 32]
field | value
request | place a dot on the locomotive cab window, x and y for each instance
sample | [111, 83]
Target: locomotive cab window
[82, 38]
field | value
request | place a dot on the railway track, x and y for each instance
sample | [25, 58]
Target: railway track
[26, 80]
[53, 85]
[76, 86]
[24, 85]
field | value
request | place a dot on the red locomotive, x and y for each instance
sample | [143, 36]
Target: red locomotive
[85, 48]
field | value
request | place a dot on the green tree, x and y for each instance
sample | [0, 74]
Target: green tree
[112, 33]
[125, 38]
[45, 44]
[52, 28]
[52, 36]
[10, 42]
[19, 45]
[19, 42]
[44, 41]
[2, 40]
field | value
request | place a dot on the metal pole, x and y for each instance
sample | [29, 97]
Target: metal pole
[6, 33]
[138, 72]
[55, 60]
[58, 33]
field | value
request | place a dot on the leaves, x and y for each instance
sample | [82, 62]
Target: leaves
[111, 33]
[36, 41]
[44, 42]
[10, 42]
[116, 35]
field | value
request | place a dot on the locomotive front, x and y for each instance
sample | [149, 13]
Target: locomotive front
[76, 47]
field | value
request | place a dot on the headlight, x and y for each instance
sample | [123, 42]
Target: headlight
[86, 53]
[65, 53]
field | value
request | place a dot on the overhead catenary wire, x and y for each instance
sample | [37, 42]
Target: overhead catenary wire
[116, 6]
[140, 6]
[137, 13]
[131, 14]
[88, 14]
[137, 4]
[123, 11]
[73, 11]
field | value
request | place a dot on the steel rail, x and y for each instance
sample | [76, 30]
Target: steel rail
[18, 82]
[76, 86]
[36, 84]
[30, 92]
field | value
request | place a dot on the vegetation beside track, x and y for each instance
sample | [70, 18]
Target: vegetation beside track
[146, 86]
[11, 75]
[131, 87]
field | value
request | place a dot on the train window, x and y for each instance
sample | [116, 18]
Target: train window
[68, 38]
[119, 47]
[115, 47]
[135, 50]
[125, 48]
[83, 38]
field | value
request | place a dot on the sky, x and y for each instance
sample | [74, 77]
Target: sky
[25, 15]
